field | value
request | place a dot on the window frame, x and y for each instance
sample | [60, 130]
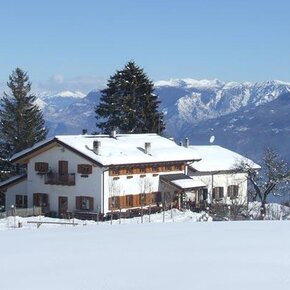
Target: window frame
[85, 169]
[41, 167]
[23, 198]
[233, 191]
[218, 193]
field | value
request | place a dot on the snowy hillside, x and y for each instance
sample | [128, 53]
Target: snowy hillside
[221, 255]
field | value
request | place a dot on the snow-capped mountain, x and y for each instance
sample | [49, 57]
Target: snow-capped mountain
[188, 102]
[193, 108]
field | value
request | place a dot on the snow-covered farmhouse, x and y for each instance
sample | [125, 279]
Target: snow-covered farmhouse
[100, 173]
[85, 174]
[218, 170]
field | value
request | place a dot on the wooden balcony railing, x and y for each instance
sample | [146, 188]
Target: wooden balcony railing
[54, 178]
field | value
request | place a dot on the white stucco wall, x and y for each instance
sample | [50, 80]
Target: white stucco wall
[224, 180]
[84, 186]
[133, 185]
[96, 185]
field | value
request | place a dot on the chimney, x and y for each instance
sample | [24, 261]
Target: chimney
[148, 148]
[186, 142]
[113, 133]
[97, 147]
[85, 131]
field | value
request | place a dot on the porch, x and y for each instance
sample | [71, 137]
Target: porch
[185, 192]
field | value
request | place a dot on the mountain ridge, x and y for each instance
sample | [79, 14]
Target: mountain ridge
[188, 105]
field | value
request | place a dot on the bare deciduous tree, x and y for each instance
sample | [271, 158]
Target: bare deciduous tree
[146, 186]
[274, 172]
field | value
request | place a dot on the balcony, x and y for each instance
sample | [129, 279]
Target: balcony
[54, 178]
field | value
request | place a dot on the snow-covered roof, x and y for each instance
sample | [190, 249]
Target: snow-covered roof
[12, 180]
[217, 158]
[188, 183]
[182, 180]
[123, 149]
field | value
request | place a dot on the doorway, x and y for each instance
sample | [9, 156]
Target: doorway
[62, 205]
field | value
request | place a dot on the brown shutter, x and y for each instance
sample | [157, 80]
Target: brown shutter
[135, 200]
[62, 167]
[123, 201]
[44, 167]
[41, 166]
[78, 202]
[36, 199]
[45, 199]
[90, 169]
[148, 198]
[85, 169]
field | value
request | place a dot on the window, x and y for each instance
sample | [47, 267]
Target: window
[41, 167]
[41, 200]
[204, 193]
[142, 198]
[114, 171]
[157, 197]
[233, 191]
[85, 169]
[129, 177]
[167, 168]
[63, 167]
[178, 167]
[114, 202]
[129, 170]
[129, 200]
[142, 170]
[218, 193]
[84, 203]
[154, 168]
[21, 201]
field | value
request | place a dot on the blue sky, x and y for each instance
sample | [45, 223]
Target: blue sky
[79, 44]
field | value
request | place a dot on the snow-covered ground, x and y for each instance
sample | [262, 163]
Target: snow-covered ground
[156, 255]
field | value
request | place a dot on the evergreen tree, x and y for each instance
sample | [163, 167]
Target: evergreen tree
[129, 103]
[22, 123]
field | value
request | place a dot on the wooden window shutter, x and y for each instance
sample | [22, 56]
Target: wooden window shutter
[45, 199]
[36, 199]
[85, 168]
[122, 201]
[148, 198]
[160, 168]
[136, 200]
[78, 202]
[41, 166]
[63, 167]
[129, 200]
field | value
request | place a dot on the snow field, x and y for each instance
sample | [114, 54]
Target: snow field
[172, 255]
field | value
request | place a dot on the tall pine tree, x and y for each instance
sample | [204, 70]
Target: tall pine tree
[129, 104]
[21, 120]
